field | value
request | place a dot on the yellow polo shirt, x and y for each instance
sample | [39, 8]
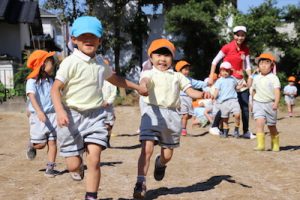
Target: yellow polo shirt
[164, 87]
[264, 87]
[83, 78]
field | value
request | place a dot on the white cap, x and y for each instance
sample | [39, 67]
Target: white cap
[225, 65]
[239, 28]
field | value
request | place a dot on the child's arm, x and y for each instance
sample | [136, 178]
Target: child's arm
[215, 95]
[277, 98]
[61, 114]
[121, 82]
[37, 108]
[207, 115]
[195, 94]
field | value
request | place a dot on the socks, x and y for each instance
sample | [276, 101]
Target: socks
[51, 165]
[141, 179]
[91, 195]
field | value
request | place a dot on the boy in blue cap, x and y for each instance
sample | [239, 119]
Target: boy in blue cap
[77, 98]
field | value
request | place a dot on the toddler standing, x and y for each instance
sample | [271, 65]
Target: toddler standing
[290, 92]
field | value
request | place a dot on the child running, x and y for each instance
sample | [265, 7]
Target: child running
[186, 109]
[266, 95]
[160, 123]
[40, 109]
[290, 93]
[226, 97]
[77, 98]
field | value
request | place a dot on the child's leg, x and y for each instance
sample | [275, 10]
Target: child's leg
[39, 145]
[93, 154]
[195, 121]
[184, 119]
[274, 138]
[236, 133]
[73, 163]
[52, 150]
[225, 127]
[144, 159]
[165, 155]
[289, 107]
[260, 134]
[160, 163]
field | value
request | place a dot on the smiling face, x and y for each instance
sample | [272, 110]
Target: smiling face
[87, 43]
[239, 37]
[161, 59]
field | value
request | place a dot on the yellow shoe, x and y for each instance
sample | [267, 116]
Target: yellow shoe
[275, 143]
[260, 137]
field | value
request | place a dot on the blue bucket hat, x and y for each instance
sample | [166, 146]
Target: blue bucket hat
[87, 24]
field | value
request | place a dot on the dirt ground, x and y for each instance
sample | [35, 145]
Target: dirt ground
[204, 167]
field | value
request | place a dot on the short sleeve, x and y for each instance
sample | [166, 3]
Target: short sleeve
[184, 82]
[218, 84]
[276, 82]
[30, 86]
[62, 73]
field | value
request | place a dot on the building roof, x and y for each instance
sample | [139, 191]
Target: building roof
[22, 11]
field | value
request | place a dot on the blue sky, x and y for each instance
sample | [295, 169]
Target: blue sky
[244, 5]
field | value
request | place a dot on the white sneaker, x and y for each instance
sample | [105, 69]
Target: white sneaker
[214, 131]
[249, 135]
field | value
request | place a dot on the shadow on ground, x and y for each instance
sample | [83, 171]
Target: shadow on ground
[197, 187]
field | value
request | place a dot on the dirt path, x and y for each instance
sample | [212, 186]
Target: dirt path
[204, 167]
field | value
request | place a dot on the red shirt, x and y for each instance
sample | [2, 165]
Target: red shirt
[236, 57]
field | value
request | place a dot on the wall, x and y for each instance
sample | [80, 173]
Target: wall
[10, 39]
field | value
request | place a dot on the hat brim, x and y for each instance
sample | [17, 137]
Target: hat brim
[80, 32]
[36, 71]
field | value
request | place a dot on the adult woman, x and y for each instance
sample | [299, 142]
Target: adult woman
[237, 54]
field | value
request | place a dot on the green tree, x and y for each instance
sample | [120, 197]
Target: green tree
[196, 29]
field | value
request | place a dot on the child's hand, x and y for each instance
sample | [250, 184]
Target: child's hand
[143, 90]
[105, 104]
[207, 95]
[275, 106]
[62, 118]
[42, 117]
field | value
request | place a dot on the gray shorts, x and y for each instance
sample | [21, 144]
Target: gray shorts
[230, 106]
[41, 132]
[161, 125]
[110, 115]
[289, 100]
[84, 127]
[186, 105]
[265, 110]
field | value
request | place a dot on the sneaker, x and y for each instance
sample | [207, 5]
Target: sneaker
[159, 172]
[78, 176]
[183, 132]
[30, 152]
[214, 131]
[140, 190]
[90, 198]
[249, 135]
[51, 173]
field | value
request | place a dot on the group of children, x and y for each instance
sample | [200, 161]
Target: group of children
[72, 107]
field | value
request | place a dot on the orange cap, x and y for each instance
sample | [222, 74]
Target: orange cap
[291, 79]
[265, 56]
[161, 43]
[36, 60]
[181, 64]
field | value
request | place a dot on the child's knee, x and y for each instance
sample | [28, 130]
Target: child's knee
[39, 146]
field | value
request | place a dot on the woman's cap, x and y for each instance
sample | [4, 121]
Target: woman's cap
[181, 64]
[291, 79]
[239, 28]
[225, 65]
[36, 60]
[265, 56]
[87, 24]
[161, 43]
